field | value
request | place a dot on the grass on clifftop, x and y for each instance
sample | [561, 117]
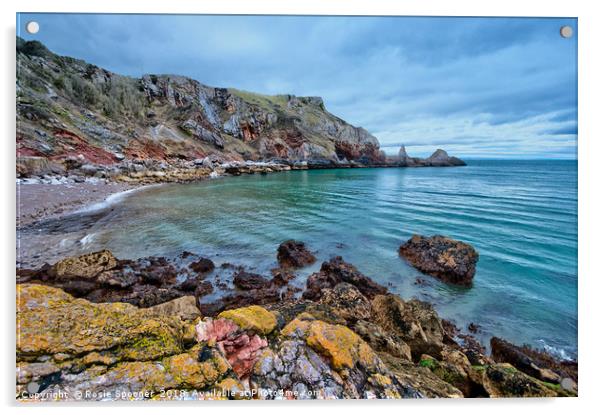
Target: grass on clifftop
[267, 102]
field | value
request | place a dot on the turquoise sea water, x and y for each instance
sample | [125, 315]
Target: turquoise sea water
[521, 216]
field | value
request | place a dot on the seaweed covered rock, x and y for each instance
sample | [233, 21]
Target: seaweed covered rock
[145, 282]
[294, 254]
[532, 362]
[419, 378]
[455, 369]
[444, 258]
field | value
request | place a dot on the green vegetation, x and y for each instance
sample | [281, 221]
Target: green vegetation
[32, 48]
[266, 102]
[428, 363]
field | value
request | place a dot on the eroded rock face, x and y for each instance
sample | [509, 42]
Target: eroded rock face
[440, 158]
[445, 258]
[336, 271]
[294, 254]
[184, 119]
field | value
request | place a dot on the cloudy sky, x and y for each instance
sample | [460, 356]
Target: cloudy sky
[477, 87]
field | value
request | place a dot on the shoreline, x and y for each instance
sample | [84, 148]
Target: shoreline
[38, 199]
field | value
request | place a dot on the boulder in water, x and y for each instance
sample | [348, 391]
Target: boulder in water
[445, 258]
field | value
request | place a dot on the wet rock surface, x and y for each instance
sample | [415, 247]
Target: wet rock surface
[441, 257]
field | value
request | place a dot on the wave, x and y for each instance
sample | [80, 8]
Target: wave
[112, 199]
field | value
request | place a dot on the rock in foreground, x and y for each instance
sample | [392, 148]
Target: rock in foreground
[445, 258]
[345, 338]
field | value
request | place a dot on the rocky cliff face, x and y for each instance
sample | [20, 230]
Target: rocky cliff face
[69, 108]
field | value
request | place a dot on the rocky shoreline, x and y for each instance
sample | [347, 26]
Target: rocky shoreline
[96, 327]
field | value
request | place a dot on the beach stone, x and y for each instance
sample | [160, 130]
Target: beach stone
[444, 258]
[254, 318]
[352, 362]
[294, 254]
[240, 345]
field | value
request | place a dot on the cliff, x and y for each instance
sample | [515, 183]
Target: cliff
[68, 108]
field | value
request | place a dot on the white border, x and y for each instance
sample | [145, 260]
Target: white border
[590, 71]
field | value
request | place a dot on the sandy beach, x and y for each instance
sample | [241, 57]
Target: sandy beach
[38, 201]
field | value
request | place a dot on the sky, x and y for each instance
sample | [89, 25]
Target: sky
[476, 87]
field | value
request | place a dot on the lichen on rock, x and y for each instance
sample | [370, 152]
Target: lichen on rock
[253, 318]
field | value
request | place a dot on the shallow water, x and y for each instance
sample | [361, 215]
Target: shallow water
[521, 216]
